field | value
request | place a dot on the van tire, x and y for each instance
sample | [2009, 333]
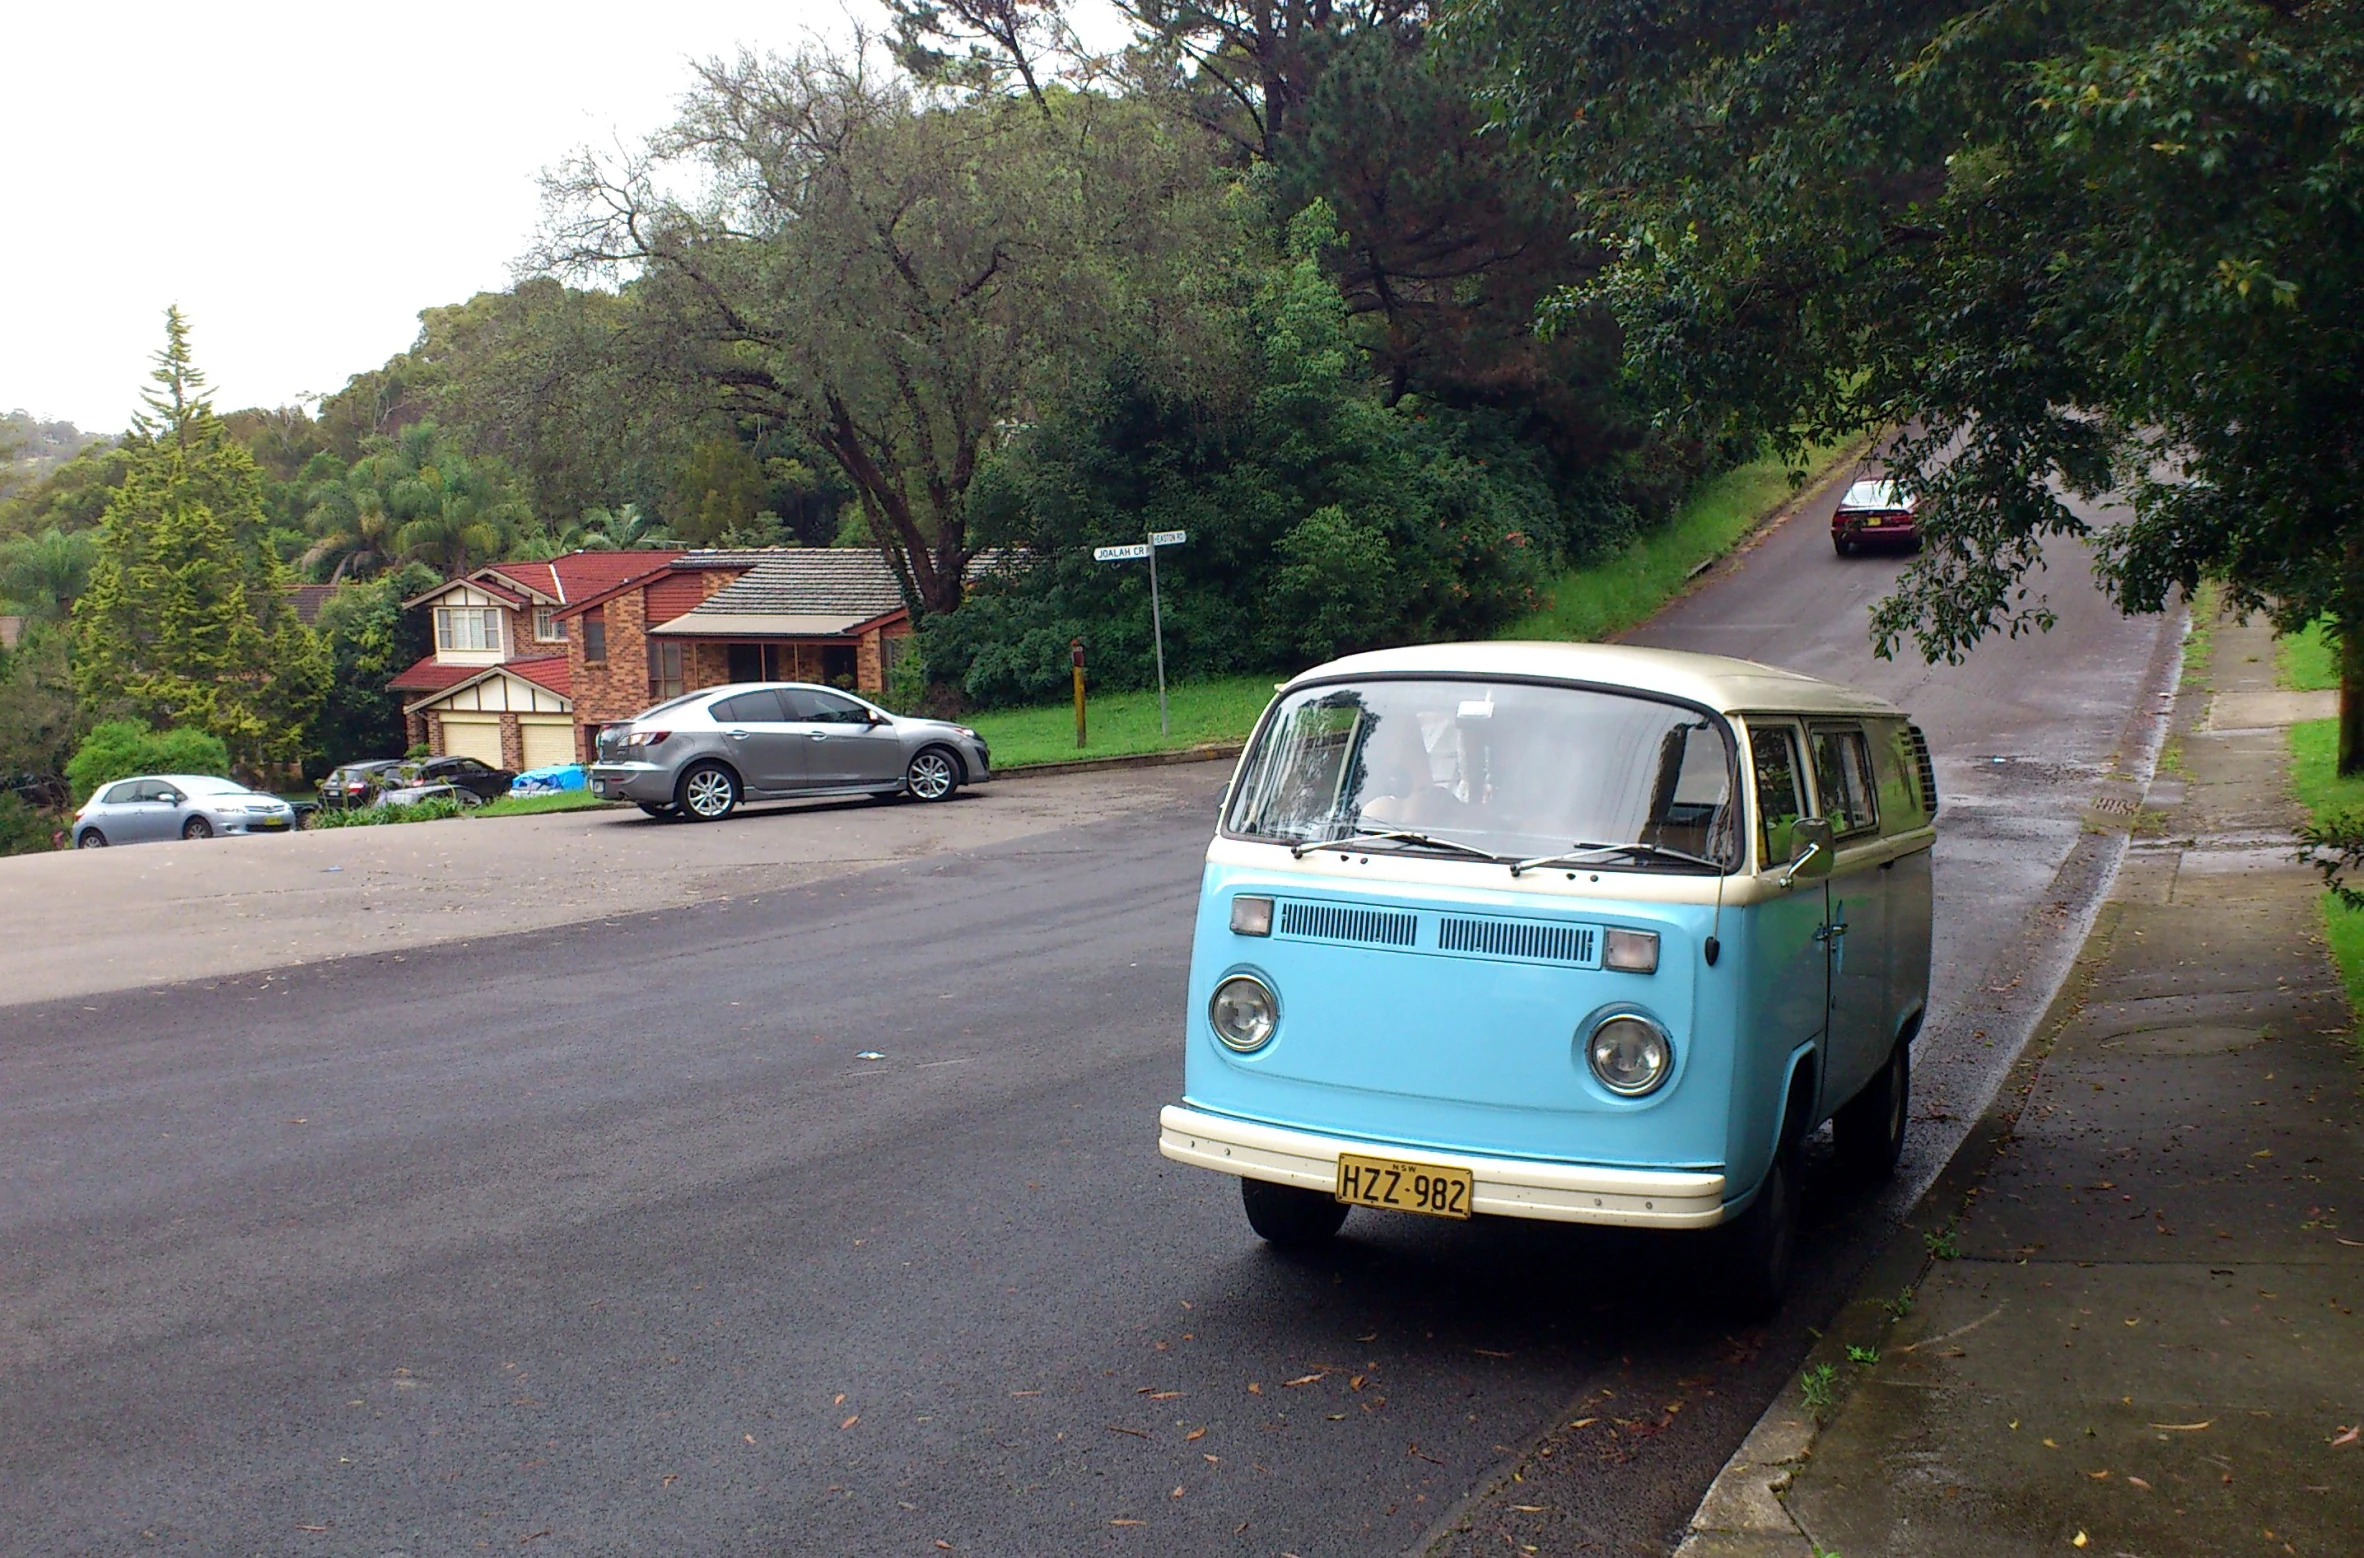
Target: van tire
[1869, 1130]
[1288, 1218]
[1760, 1246]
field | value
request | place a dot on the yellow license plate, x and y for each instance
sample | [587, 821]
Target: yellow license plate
[1428, 1188]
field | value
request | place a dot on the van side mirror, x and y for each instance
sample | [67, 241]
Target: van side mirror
[1810, 845]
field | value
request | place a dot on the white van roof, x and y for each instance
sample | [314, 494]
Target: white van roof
[1718, 682]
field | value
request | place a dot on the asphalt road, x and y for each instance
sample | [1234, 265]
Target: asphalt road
[606, 1238]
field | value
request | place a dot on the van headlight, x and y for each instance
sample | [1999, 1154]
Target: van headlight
[1244, 1013]
[1630, 1055]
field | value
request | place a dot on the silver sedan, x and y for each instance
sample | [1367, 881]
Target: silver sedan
[699, 756]
[167, 806]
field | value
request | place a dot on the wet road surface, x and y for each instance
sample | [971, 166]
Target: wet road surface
[606, 1239]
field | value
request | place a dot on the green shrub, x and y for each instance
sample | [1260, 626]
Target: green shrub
[432, 810]
[24, 829]
[119, 749]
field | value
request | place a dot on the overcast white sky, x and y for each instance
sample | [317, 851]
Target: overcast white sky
[303, 179]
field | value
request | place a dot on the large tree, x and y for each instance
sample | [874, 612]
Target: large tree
[903, 281]
[2118, 244]
[186, 618]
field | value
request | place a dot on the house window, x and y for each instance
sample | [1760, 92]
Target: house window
[547, 628]
[595, 633]
[664, 669]
[467, 628]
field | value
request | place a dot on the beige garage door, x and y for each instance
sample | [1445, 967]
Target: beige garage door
[473, 735]
[547, 741]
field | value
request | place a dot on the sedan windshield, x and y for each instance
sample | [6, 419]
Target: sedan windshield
[1525, 773]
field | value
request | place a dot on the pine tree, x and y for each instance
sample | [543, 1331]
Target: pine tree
[186, 620]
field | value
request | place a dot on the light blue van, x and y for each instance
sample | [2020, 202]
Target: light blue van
[1564, 931]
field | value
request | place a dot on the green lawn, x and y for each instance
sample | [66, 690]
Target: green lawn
[527, 805]
[2306, 662]
[2314, 778]
[1587, 603]
[1608, 597]
[1121, 724]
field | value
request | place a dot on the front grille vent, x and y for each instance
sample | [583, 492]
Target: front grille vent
[1578, 945]
[1330, 922]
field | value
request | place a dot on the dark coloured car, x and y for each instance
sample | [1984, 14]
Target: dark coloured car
[1875, 512]
[461, 773]
[357, 784]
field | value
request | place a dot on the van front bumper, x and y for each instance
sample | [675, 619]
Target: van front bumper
[1505, 1187]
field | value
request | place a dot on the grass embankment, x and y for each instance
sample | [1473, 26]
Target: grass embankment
[528, 805]
[2314, 778]
[1610, 596]
[2306, 661]
[1585, 603]
[1124, 724]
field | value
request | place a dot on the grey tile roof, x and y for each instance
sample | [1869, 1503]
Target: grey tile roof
[818, 581]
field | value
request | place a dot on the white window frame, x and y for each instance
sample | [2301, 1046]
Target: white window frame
[486, 620]
[547, 628]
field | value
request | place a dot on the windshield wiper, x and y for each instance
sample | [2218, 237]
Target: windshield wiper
[1577, 853]
[1391, 836]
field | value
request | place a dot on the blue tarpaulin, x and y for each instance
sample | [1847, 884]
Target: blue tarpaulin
[546, 781]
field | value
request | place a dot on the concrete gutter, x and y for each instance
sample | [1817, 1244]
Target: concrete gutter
[1208, 752]
[1743, 1514]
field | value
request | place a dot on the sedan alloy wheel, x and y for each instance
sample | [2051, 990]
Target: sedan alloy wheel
[709, 793]
[933, 775]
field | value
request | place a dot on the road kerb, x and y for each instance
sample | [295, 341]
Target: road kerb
[1207, 752]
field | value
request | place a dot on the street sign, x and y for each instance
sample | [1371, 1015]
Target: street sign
[1134, 553]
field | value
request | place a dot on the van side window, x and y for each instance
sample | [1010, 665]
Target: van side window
[1781, 790]
[1842, 773]
[1896, 765]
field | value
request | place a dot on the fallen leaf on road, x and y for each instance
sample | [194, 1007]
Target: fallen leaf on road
[1135, 1432]
[944, 1547]
[842, 1427]
[2348, 1436]
[1177, 1493]
[1209, 1459]
[1255, 1389]
[1124, 1522]
[311, 1528]
[668, 1479]
[1432, 1460]
[848, 1423]
[1355, 1383]
[2099, 1476]
[2175, 1428]
[840, 1401]
[534, 1537]
[1164, 1395]
[1488, 1352]
[1194, 1436]
[2137, 1482]
[1374, 1336]
[1302, 1379]
[1013, 1393]
[1528, 1509]
[1584, 1422]
[2078, 1540]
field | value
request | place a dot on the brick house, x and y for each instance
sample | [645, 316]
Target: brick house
[496, 687]
[833, 615]
[532, 659]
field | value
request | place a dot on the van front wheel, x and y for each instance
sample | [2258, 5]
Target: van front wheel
[1288, 1218]
[1760, 1246]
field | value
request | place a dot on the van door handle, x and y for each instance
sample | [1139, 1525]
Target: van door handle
[1832, 932]
[817, 735]
[738, 735]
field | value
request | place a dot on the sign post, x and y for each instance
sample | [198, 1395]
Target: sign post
[1075, 655]
[1140, 552]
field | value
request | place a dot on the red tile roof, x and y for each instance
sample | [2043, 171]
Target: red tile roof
[578, 574]
[307, 599]
[550, 672]
[432, 675]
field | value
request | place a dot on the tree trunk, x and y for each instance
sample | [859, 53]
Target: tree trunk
[2351, 699]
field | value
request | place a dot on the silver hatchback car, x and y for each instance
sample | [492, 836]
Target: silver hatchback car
[699, 756]
[168, 806]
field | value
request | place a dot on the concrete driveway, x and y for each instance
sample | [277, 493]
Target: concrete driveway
[79, 923]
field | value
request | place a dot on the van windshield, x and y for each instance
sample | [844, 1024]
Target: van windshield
[1522, 771]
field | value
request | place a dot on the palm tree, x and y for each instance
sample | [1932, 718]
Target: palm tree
[41, 576]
